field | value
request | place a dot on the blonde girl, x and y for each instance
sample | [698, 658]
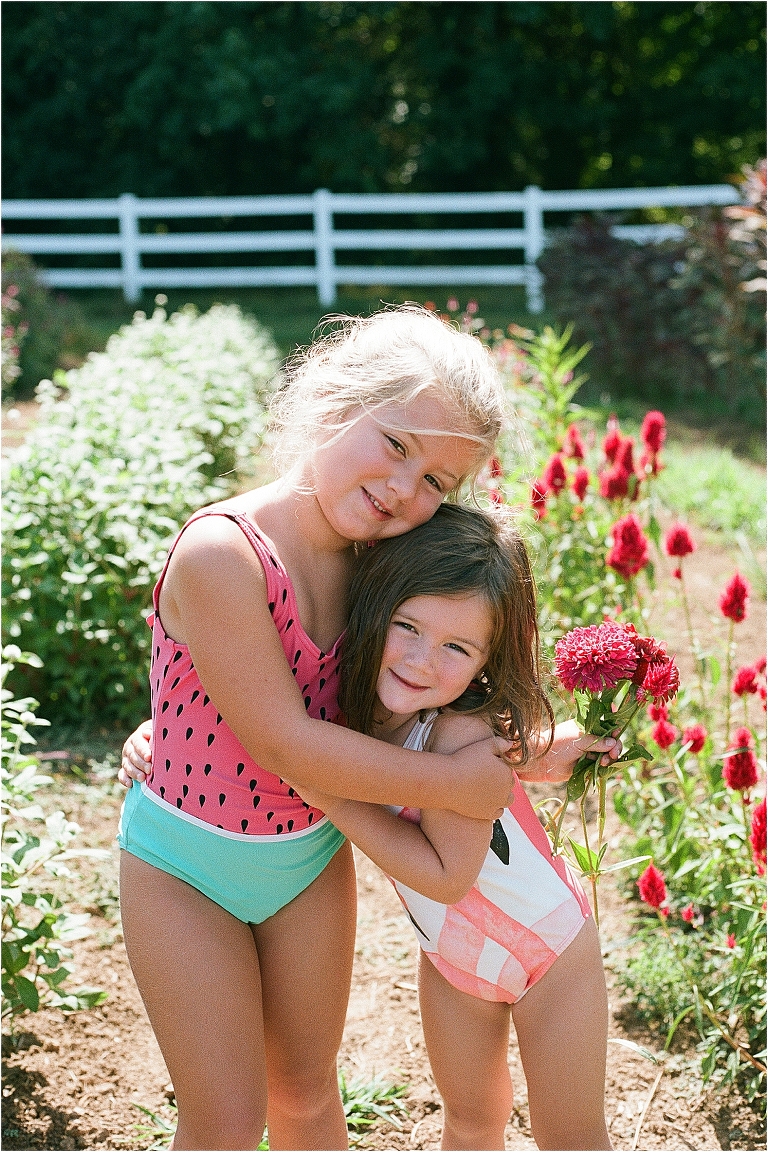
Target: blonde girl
[238, 897]
[441, 650]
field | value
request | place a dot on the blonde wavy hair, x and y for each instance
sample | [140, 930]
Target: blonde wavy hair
[389, 357]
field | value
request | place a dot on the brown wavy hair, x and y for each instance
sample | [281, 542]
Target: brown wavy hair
[460, 551]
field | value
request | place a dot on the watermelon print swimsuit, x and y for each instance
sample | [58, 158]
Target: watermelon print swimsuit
[515, 921]
[208, 813]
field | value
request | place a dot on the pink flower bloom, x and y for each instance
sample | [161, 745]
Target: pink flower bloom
[730, 940]
[595, 658]
[664, 734]
[735, 598]
[745, 682]
[574, 445]
[612, 441]
[678, 541]
[654, 431]
[658, 712]
[495, 496]
[696, 735]
[630, 547]
[740, 766]
[495, 468]
[653, 890]
[554, 476]
[661, 681]
[580, 482]
[614, 483]
[539, 499]
[687, 913]
[757, 837]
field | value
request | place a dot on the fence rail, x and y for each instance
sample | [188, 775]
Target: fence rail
[324, 239]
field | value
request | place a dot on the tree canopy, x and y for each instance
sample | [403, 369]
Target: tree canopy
[195, 98]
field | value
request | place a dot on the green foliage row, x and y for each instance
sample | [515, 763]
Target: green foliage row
[225, 99]
[166, 420]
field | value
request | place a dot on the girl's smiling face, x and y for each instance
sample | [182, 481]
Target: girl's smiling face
[436, 646]
[378, 480]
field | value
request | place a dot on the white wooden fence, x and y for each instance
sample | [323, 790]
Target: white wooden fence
[324, 238]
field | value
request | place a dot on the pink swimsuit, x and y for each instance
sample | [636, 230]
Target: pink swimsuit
[515, 920]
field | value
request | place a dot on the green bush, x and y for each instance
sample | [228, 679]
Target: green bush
[127, 446]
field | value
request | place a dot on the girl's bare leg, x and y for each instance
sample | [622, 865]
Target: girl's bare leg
[306, 951]
[467, 1041]
[197, 970]
[562, 1030]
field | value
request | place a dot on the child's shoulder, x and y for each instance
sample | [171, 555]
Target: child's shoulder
[454, 730]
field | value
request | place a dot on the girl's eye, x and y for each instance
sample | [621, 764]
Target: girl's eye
[458, 648]
[396, 445]
[434, 482]
[403, 624]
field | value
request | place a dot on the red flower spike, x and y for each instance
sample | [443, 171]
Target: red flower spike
[687, 913]
[653, 890]
[658, 712]
[745, 682]
[661, 682]
[612, 441]
[555, 477]
[677, 573]
[734, 600]
[696, 736]
[740, 765]
[757, 837]
[539, 499]
[730, 940]
[630, 547]
[574, 445]
[624, 456]
[495, 468]
[664, 734]
[595, 658]
[654, 432]
[580, 482]
[495, 496]
[678, 541]
[614, 483]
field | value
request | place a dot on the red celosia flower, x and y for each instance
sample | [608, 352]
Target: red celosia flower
[653, 890]
[654, 431]
[658, 712]
[539, 499]
[612, 440]
[735, 598]
[595, 658]
[614, 483]
[554, 476]
[630, 547]
[730, 940]
[760, 665]
[580, 482]
[649, 464]
[496, 496]
[677, 573]
[696, 736]
[687, 913]
[661, 681]
[495, 468]
[757, 837]
[745, 682]
[624, 456]
[678, 541]
[740, 765]
[664, 734]
[574, 445]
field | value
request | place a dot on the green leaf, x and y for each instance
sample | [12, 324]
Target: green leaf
[27, 993]
[585, 858]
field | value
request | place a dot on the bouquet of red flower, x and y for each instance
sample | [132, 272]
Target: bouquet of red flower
[612, 672]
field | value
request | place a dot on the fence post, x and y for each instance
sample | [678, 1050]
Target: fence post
[324, 261]
[533, 225]
[129, 248]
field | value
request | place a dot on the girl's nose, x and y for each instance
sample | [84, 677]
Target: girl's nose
[403, 481]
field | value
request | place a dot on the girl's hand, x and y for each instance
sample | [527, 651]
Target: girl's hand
[568, 746]
[136, 762]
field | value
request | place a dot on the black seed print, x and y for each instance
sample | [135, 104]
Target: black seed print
[162, 792]
[211, 738]
[290, 825]
[218, 718]
[179, 710]
[279, 829]
[285, 591]
[240, 769]
[271, 605]
[322, 713]
[304, 803]
[291, 792]
[273, 561]
[188, 769]
[222, 798]
[177, 657]
[252, 784]
[178, 802]
[297, 656]
[195, 695]
[310, 817]
[243, 824]
[270, 815]
[307, 701]
[219, 825]
[256, 801]
[189, 732]
[165, 705]
[175, 683]
[157, 685]
[165, 733]
[207, 769]
[289, 624]
[167, 765]
[206, 701]
[295, 671]
[202, 799]
[185, 791]
[322, 682]
[304, 689]
[157, 652]
[165, 670]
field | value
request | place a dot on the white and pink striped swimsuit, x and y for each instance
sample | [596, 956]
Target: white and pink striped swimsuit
[515, 920]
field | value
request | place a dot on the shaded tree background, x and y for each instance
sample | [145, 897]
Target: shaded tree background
[193, 98]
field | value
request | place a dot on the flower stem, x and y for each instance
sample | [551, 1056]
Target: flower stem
[692, 640]
[593, 873]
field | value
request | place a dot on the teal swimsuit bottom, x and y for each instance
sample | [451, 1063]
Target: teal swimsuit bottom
[252, 877]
